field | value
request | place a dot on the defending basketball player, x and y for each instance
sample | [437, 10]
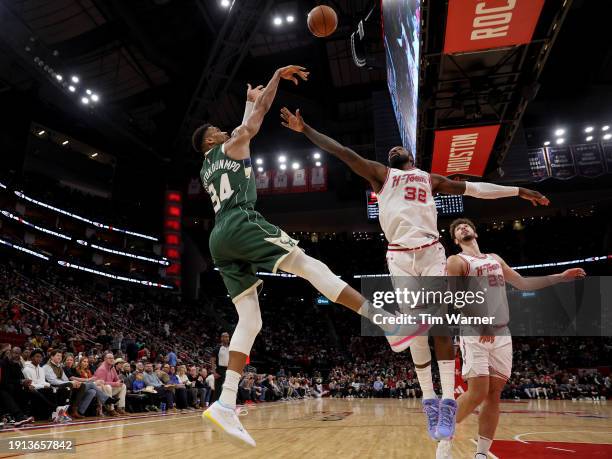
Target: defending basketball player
[487, 360]
[408, 217]
[242, 242]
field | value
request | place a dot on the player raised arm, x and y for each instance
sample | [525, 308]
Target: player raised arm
[538, 282]
[372, 171]
[238, 146]
[483, 190]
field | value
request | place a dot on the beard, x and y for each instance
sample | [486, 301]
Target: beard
[467, 238]
[398, 161]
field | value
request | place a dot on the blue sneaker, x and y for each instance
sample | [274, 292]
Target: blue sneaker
[431, 408]
[446, 419]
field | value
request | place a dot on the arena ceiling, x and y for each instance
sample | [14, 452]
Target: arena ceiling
[146, 57]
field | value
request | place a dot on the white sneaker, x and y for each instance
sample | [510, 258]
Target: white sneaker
[226, 420]
[444, 450]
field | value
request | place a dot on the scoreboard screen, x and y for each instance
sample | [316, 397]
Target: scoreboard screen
[447, 205]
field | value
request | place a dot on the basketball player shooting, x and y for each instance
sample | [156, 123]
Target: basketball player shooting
[242, 242]
[408, 217]
[487, 360]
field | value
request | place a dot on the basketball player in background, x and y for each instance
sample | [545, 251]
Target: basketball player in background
[242, 242]
[408, 217]
[487, 360]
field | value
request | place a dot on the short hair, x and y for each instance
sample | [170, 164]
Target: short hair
[36, 351]
[460, 221]
[198, 137]
[54, 352]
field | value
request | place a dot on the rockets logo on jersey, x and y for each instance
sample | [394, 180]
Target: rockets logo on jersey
[408, 214]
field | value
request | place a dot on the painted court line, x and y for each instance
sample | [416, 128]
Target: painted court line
[518, 437]
[561, 449]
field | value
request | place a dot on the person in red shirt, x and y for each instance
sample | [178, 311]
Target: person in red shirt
[107, 373]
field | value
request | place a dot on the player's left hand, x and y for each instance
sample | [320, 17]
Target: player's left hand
[291, 121]
[254, 93]
[572, 274]
[534, 196]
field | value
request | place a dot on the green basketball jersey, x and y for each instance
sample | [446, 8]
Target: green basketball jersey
[229, 182]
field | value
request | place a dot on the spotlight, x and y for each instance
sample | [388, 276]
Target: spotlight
[93, 155]
[65, 142]
[58, 77]
[75, 79]
[547, 143]
[225, 3]
[282, 159]
[589, 138]
[295, 166]
[607, 137]
[283, 167]
[84, 100]
[318, 164]
[278, 21]
[589, 129]
[88, 91]
[560, 141]
[290, 19]
[605, 128]
[317, 156]
[95, 97]
[559, 132]
[259, 161]
[41, 132]
[71, 88]
[260, 169]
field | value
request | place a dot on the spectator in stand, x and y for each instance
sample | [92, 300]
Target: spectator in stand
[107, 401]
[210, 382]
[180, 391]
[90, 383]
[219, 361]
[79, 395]
[131, 349]
[201, 386]
[116, 341]
[151, 379]
[43, 400]
[172, 358]
[107, 373]
[13, 386]
[190, 390]
[378, 387]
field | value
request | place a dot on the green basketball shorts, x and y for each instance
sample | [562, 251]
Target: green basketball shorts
[242, 243]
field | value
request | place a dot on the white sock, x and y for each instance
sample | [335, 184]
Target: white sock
[368, 311]
[483, 445]
[447, 378]
[425, 381]
[230, 389]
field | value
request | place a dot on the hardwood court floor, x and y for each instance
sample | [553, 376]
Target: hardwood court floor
[323, 428]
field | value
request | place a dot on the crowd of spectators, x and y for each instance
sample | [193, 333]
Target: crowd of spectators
[78, 350]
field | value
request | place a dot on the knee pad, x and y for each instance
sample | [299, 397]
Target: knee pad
[315, 272]
[249, 323]
[419, 348]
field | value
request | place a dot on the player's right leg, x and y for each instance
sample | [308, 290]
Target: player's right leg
[222, 414]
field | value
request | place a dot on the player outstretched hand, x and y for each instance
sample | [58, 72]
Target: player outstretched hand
[254, 93]
[291, 121]
[533, 196]
[289, 73]
[570, 275]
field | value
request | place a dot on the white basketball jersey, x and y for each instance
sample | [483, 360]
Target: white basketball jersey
[497, 299]
[407, 210]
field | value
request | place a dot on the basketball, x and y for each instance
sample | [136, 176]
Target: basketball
[322, 21]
